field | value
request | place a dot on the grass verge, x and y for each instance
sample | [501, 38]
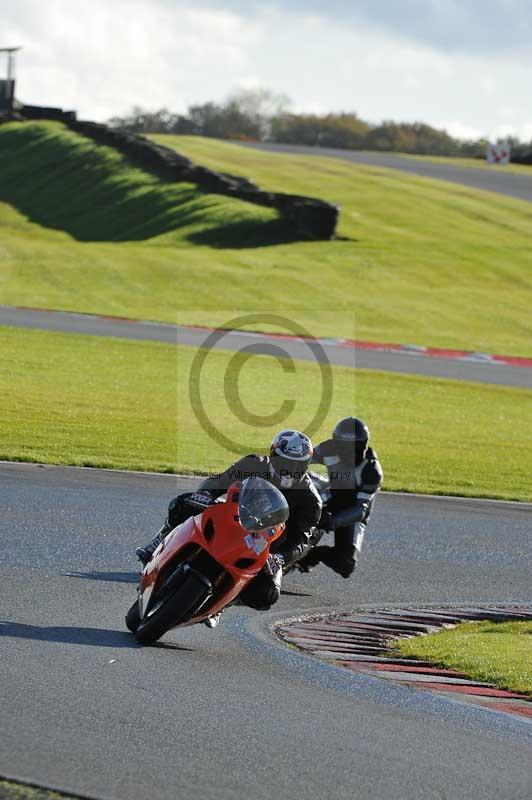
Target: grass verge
[88, 401]
[493, 652]
[14, 790]
[420, 261]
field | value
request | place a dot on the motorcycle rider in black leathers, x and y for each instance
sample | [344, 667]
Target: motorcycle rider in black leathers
[286, 468]
[355, 477]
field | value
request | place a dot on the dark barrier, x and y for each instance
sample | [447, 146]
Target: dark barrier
[309, 217]
[524, 158]
[7, 115]
[45, 112]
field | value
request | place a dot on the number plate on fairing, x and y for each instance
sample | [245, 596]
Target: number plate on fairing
[255, 543]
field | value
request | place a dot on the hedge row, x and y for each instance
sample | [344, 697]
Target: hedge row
[309, 217]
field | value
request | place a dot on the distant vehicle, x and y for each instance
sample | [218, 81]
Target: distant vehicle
[204, 563]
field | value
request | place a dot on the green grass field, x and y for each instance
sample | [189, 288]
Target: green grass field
[68, 399]
[499, 653]
[419, 261]
[64, 181]
[13, 790]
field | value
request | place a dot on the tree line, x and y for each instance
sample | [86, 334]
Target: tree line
[262, 115]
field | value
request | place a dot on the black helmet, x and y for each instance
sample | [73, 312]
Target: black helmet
[290, 455]
[351, 436]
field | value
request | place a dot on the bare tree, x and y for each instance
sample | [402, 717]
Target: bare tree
[261, 106]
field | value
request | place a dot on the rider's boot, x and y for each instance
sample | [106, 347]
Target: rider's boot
[212, 622]
[145, 553]
[311, 560]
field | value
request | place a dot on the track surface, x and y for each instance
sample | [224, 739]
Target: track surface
[490, 180]
[482, 372]
[231, 712]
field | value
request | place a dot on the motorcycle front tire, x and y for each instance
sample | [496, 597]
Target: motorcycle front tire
[133, 617]
[178, 606]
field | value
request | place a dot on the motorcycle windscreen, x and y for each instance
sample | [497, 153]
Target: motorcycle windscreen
[261, 505]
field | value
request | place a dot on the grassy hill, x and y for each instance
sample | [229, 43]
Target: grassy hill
[418, 260]
[64, 181]
[91, 401]
[81, 229]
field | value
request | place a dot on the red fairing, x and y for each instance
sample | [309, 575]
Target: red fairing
[217, 531]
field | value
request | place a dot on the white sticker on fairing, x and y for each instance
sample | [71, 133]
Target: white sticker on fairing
[256, 543]
[260, 545]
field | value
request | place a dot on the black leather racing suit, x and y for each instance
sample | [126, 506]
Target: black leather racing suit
[353, 488]
[305, 507]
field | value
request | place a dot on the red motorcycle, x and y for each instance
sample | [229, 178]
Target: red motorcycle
[204, 563]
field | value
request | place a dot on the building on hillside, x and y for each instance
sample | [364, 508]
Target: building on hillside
[7, 84]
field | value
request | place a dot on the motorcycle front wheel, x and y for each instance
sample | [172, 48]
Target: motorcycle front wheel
[178, 605]
[133, 617]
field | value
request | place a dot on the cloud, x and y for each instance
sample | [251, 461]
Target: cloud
[98, 57]
[522, 132]
[468, 26]
[102, 57]
[458, 130]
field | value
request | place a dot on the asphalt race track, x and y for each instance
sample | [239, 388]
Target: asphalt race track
[460, 369]
[232, 712]
[496, 179]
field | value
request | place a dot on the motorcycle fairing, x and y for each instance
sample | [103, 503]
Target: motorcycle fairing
[218, 532]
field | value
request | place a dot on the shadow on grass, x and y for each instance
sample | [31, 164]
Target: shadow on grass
[246, 234]
[117, 218]
[69, 184]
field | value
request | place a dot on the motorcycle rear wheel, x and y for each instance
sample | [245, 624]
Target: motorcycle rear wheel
[178, 606]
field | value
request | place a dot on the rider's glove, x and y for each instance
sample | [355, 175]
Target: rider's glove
[274, 563]
[274, 568]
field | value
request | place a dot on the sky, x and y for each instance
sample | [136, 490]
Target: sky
[462, 65]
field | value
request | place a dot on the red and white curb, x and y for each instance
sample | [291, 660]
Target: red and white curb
[363, 642]
[357, 344]
[437, 352]
[388, 347]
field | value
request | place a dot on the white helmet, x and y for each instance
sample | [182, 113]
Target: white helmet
[290, 455]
